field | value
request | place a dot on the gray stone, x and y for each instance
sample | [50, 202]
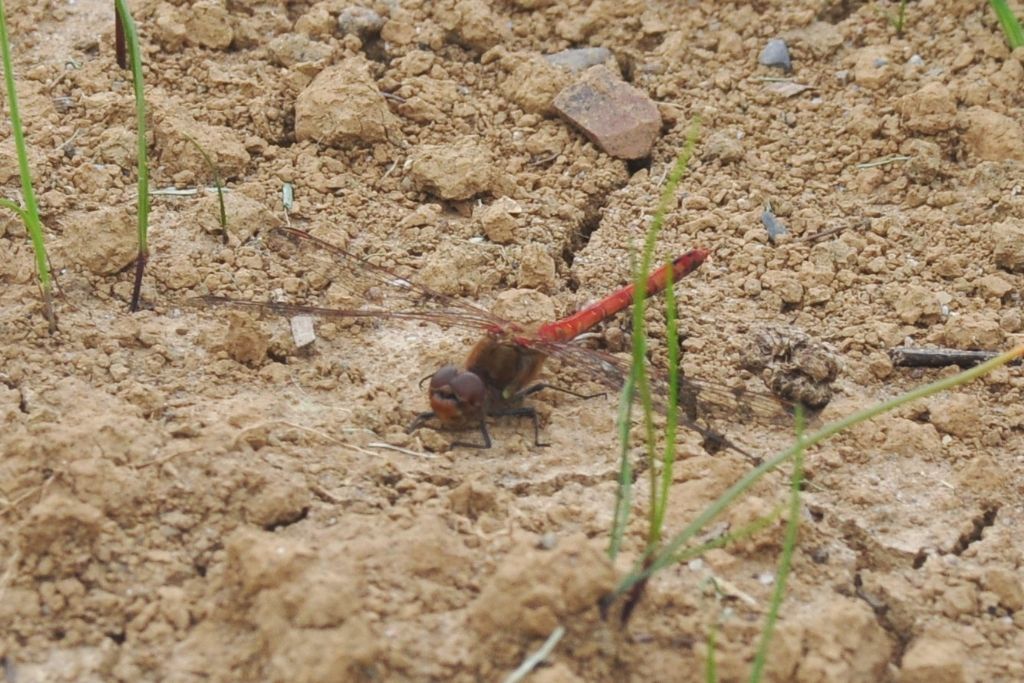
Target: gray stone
[776, 53]
[360, 21]
[580, 58]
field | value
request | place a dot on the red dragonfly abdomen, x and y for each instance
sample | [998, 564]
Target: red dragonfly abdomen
[581, 321]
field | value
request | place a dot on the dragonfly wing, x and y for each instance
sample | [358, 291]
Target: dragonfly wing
[367, 290]
[697, 398]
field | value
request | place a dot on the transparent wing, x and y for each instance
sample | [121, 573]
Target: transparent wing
[697, 399]
[368, 291]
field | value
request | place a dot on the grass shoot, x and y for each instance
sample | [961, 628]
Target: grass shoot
[215, 170]
[1009, 22]
[659, 554]
[898, 21]
[637, 383]
[672, 551]
[30, 213]
[131, 35]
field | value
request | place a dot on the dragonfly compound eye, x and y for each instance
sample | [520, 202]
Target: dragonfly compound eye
[456, 396]
[469, 389]
[443, 377]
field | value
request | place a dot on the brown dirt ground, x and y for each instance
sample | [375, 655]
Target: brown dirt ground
[185, 497]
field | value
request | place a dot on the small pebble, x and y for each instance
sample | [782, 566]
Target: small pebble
[302, 330]
[776, 53]
[772, 224]
[360, 21]
[580, 58]
[915, 60]
[547, 541]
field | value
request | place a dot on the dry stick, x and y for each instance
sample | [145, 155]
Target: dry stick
[939, 358]
[531, 662]
[397, 449]
[41, 489]
[832, 231]
[167, 458]
[823, 234]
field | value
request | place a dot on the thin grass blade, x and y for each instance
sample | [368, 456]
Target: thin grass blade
[1009, 22]
[30, 214]
[132, 38]
[670, 551]
[788, 546]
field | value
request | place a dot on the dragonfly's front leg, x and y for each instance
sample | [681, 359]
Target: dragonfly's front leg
[541, 386]
[524, 411]
[419, 420]
[430, 414]
[483, 433]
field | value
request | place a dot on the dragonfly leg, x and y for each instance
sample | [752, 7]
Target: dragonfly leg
[418, 422]
[483, 433]
[524, 411]
[714, 441]
[430, 414]
[541, 386]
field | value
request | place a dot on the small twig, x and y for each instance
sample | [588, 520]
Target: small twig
[323, 495]
[41, 489]
[884, 160]
[67, 142]
[167, 458]
[823, 234]
[398, 449]
[391, 169]
[5, 580]
[186, 192]
[544, 159]
[531, 662]
[309, 430]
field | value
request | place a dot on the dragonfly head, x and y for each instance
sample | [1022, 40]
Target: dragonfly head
[456, 395]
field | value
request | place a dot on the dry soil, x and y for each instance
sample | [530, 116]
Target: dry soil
[185, 496]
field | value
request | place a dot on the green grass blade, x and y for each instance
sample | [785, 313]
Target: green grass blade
[656, 506]
[134, 52]
[786, 558]
[215, 170]
[659, 503]
[30, 214]
[710, 666]
[624, 490]
[8, 204]
[637, 383]
[669, 552]
[745, 531]
[1011, 27]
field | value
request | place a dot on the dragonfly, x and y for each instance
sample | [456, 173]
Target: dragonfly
[501, 369]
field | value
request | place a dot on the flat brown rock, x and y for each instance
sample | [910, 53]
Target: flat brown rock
[342, 107]
[458, 170]
[617, 117]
